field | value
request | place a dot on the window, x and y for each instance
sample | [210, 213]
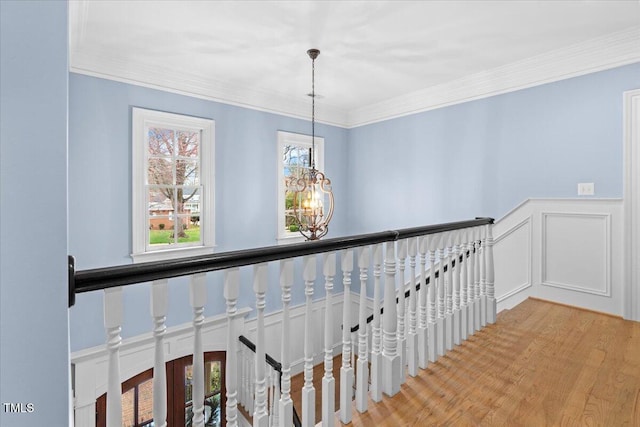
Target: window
[183, 390]
[293, 158]
[173, 185]
[137, 395]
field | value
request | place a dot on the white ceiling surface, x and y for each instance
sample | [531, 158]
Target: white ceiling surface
[379, 59]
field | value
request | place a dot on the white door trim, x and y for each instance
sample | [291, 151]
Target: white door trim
[631, 308]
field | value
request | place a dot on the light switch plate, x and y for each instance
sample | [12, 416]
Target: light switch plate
[585, 189]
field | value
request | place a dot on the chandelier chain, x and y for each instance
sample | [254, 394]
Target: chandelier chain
[313, 113]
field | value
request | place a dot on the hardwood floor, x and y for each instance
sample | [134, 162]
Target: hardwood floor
[541, 364]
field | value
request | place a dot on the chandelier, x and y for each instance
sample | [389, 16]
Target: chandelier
[312, 196]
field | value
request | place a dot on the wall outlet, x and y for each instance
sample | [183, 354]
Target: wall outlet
[585, 189]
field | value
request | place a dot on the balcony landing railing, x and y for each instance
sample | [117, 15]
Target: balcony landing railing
[451, 296]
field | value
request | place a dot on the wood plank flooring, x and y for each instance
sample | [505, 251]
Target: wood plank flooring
[541, 364]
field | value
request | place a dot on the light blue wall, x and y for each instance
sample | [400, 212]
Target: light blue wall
[245, 190]
[479, 158]
[483, 158]
[34, 363]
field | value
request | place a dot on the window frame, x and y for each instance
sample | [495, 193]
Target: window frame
[289, 138]
[141, 120]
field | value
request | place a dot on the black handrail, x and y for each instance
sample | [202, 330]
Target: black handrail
[270, 360]
[108, 277]
[277, 366]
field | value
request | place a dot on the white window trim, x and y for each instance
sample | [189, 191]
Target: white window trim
[289, 138]
[141, 118]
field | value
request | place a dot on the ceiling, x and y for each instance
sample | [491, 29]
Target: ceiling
[379, 59]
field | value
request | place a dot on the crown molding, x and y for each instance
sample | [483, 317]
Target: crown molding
[613, 50]
[190, 84]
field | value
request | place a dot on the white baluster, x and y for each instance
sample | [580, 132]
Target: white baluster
[483, 278]
[113, 326]
[476, 282]
[286, 404]
[198, 298]
[260, 414]
[268, 386]
[455, 261]
[402, 330]
[449, 294]
[250, 388]
[231, 283]
[241, 378]
[392, 368]
[246, 374]
[442, 320]
[159, 303]
[434, 325]
[362, 368]
[464, 314]
[308, 391]
[346, 370]
[251, 385]
[412, 335]
[422, 331]
[328, 382]
[275, 401]
[490, 272]
[470, 287]
[376, 332]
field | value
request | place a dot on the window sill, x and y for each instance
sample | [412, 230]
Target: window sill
[293, 238]
[171, 254]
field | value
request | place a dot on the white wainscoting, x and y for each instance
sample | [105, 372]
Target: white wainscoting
[565, 263]
[564, 250]
[512, 260]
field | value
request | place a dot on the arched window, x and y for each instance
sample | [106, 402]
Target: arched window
[137, 395]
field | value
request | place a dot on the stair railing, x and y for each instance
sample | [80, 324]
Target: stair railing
[277, 368]
[453, 306]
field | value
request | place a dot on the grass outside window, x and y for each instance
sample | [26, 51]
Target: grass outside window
[166, 236]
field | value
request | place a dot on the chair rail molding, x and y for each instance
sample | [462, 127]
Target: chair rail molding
[631, 309]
